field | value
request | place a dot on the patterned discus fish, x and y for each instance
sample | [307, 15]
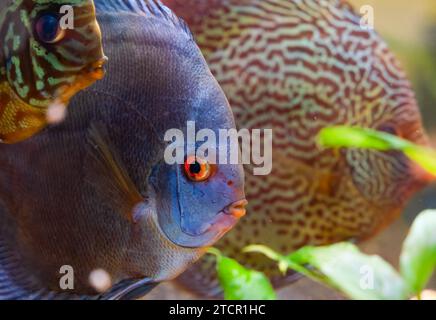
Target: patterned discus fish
[96, 194]
[44, 62]
[296, 67]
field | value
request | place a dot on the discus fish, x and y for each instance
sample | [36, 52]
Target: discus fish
[96, 193]
[297, 67]
[44, 63]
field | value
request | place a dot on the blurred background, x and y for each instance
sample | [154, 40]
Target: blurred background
[410, 30]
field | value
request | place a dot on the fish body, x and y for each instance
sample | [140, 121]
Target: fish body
[297, 67]
[95, 193]
[43, 62]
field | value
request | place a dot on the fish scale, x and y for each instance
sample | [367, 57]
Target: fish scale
[297, 67]
[34, 74]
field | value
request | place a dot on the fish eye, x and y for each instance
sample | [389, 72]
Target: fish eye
[48, 28]
[388, 129]
[197, 169]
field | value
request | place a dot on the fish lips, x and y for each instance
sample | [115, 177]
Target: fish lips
[89, 74]
[96, 70]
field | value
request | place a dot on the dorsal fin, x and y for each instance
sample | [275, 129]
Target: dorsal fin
[153, 8]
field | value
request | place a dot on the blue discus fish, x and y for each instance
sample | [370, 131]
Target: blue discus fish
[95, 193]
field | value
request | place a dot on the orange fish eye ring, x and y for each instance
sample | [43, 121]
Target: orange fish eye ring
[197, 169]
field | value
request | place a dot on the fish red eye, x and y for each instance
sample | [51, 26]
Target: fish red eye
[48, 28]
[197, 169]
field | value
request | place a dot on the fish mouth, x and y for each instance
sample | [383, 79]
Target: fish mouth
[223, 221]
[91, 73]
[96, 69]
[209, 233]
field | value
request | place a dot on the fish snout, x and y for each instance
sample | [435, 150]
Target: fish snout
[237, 209]
[96, 69]
[221, 222]
[204, 233]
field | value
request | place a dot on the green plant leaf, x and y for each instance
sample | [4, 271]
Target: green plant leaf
[343, 267]
[358, 275]
[353, 137]
[418, 257]
[240, 283]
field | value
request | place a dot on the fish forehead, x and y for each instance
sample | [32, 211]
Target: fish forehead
[173, 78]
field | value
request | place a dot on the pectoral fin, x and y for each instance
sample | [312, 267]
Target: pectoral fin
[105, 171]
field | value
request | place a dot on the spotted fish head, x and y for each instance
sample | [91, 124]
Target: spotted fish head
[50, 49]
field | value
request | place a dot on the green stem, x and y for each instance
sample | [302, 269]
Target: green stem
[215, 252]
